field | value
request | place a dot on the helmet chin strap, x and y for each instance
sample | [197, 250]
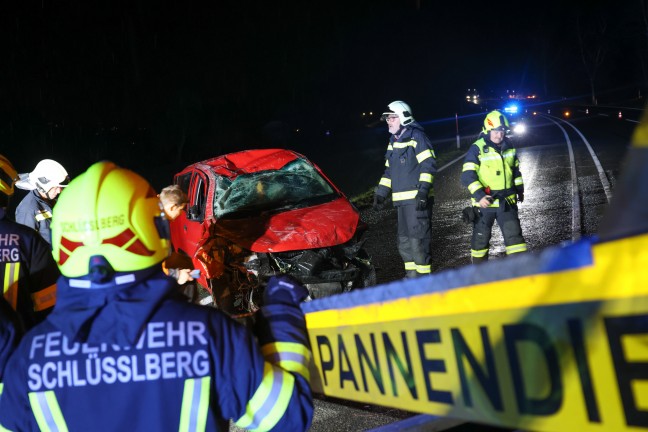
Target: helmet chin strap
[42, 191]
[400, 131]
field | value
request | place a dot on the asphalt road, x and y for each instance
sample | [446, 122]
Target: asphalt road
[562, 179]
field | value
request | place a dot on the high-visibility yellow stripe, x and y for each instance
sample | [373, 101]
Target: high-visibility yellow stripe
[47, 411]
[425, 177]
[425, 154]
[270, 400]
[410, 265]
[518, 181]
[478, 253]
[385, 182]
[43, 215]
[10, 283]
[470, 166]
[401, 145]
[290, 356]
[45, 298]
[405, 195]
[474, 186]
[487, 157]
[522, 247]
[624, 256]
[195, 404]
[423, 269]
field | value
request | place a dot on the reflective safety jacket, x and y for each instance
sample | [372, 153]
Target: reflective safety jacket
[410, 164]
[497, 167]
[28, 271]
[36, 212]
[135, 357]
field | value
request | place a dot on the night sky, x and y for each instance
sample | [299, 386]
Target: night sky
[167, 83]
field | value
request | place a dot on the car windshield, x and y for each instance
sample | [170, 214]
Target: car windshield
[295, 185]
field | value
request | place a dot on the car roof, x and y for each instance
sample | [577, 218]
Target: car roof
[247, 161]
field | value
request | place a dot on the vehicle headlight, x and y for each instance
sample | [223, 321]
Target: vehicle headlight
[519, 129]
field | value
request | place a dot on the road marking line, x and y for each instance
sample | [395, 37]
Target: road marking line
[576, 212]
[604, 181]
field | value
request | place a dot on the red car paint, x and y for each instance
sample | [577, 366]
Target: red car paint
[325, 224]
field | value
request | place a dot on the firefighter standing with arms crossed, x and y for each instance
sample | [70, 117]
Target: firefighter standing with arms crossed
[409, 174]
[122, 350]
[491, 172]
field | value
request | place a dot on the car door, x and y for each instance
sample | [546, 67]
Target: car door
[187, 229]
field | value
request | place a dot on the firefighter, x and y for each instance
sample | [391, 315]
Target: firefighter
[27, 270]
[121, 350]
[45, 183]
[410, 164]
[491, 172]
[10, 332]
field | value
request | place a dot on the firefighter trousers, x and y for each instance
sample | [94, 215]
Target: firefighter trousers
[509, 224]
[414, 237]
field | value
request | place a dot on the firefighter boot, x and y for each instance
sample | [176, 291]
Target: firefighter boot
[410, 274]
[479, 260]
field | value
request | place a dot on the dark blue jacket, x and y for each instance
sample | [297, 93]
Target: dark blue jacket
[410, 166]
[36, 212]
[134, 357]
[10, 332]
[27, 271]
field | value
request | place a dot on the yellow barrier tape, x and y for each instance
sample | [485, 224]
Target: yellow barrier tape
[559, 351]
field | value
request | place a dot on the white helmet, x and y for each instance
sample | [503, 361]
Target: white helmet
[403, 111]
[47, 175]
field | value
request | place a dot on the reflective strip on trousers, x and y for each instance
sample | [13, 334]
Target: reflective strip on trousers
[424, 269]
[479, 253]
[411, 265]
[516, 248]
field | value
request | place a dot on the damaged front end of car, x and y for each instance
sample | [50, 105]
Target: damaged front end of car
[238, 276]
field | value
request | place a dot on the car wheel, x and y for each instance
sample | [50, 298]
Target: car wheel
[367, 276]
[326, 289]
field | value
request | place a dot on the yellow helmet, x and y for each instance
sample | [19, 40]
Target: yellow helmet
[108, 212]
[495, 120]
[8, 176]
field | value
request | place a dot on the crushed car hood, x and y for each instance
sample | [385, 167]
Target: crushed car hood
[319, 226]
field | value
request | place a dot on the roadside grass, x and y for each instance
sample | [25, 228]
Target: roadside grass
[365, 199]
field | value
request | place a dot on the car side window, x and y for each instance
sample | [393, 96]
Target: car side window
[184, 181]
[196, 210]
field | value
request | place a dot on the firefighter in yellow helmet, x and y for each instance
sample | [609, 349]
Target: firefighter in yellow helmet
[128, 352]
[491, 172]
[27, 270]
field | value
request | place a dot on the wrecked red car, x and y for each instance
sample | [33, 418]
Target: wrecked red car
[257, 213]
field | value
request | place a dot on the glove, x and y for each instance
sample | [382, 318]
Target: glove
[379, 202]
[520, 196]
[421, 201]
[284, 290]
[467, 215]
[470, 214]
